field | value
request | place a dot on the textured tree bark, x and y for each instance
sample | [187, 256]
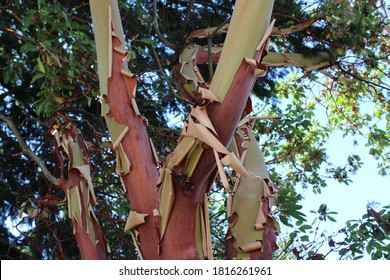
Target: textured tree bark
[140, 181]
[136, 159]
[173, 223]
[95, 248]
[232, 84]
[77, 185]
[252, 229]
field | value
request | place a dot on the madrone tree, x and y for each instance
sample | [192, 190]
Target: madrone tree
[168, 176]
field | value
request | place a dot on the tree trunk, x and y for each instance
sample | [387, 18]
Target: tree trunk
[231, 85]
[173, 223]
[77, 185]
[135, 155]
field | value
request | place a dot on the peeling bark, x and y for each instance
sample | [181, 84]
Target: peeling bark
[231, 86]
[136, 160]
[252, 229]
[173, 222]
[80, 195]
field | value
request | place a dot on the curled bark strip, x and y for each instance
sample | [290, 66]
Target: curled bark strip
[231, 85]
[167, 196]
[188, 76]
[251, 246]
[206, 32]
[270, 232]
[134, 219]
[202, 236]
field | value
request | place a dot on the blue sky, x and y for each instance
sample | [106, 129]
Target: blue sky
[349, 201]
[367, 186]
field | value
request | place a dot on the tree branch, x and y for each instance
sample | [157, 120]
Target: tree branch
[157, 29]
[362, 79]
[277, 31]
[319, 60]
[187, 18]
[26, 150]
[166, 77]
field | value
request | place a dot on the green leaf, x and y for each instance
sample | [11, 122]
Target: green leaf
[148, 41]
[28, 19]
[36, 77]
[6, 76]
[293, 235]
[28, 47]
[305, 238]
[369, 248]
[332, 219]
[303, 228]
[378, 255]
[89, 101]
[132, 55]
[298, 215]
[306, 124]
[40, 66]
[142, 51]
[284, 220]
[342, 252]
[378, 234]
[290, 22]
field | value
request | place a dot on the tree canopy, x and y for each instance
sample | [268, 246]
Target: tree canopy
[49, 75]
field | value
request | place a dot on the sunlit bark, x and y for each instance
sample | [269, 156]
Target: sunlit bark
[231, 86]
[135, 155]
[177, 226]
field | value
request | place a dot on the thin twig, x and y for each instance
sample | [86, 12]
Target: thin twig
[13, 33]
[187, 18]
[362, 79]
[27, 150]
[157, 29]
[210, 58]
[166, 77]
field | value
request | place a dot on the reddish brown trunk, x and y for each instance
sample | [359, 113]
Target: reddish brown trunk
[225, 118]
[202, 56]
[266, 236]
[269, 236]
[88, 250]
[179, 238]
[140, 182]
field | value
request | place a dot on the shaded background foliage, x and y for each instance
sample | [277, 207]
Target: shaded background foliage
[48, 72]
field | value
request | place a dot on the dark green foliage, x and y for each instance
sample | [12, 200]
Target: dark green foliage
[370, 234]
